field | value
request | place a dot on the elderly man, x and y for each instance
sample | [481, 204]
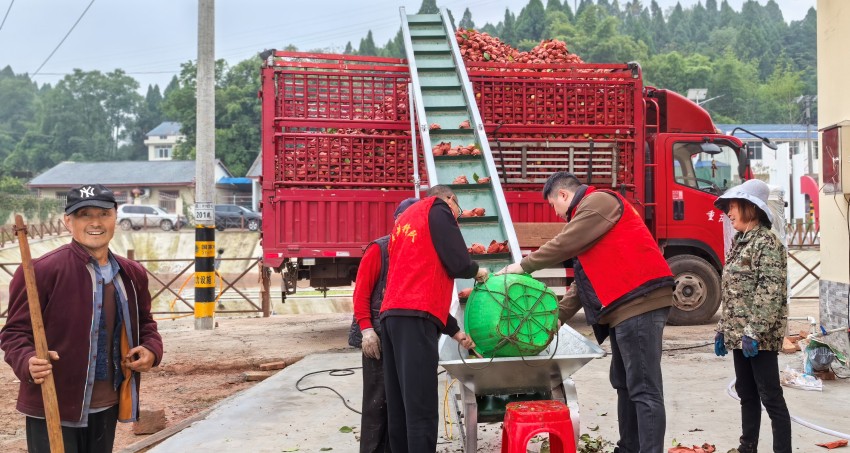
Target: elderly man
[96, 309]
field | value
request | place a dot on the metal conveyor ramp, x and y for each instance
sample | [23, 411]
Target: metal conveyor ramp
[444, 97]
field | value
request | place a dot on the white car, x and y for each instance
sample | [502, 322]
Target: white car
[137, 216]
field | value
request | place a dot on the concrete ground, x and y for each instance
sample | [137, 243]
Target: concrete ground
[274, 416]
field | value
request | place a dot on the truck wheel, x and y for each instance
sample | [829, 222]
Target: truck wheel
[697, 293]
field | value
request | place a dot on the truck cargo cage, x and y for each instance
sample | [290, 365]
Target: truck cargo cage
[338, 121]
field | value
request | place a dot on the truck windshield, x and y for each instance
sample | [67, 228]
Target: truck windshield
[712, 173]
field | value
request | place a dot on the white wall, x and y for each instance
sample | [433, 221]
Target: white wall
[833, 107]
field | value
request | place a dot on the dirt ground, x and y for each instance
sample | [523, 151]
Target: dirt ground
[201, 368]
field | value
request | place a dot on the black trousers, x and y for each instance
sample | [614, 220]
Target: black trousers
[757, 384]
[410, 374]
[374, 435]
[97, 437]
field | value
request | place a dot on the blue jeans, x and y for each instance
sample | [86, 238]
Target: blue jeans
[636, 375]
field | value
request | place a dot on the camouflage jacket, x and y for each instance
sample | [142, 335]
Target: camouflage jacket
[754, 290]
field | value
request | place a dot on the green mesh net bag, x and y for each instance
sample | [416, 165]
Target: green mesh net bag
[511, 315]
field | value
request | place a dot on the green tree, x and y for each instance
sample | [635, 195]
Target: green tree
[569, 11]
[429, 7]
[554, 5]
[237, 113]
[394, 47]
[466, 20]
[531, 21]
[367, 46]
[508, 30]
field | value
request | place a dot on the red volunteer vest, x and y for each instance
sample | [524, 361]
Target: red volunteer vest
[628, 241]
[417, 279]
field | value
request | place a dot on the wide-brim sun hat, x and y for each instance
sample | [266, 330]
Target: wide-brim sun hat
[755, 191]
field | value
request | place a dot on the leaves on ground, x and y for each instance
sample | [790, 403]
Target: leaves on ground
[346, 429]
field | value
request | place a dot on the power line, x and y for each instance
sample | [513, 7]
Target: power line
[7, 14]
[63, 39]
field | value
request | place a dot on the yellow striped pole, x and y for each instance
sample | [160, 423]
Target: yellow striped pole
[204, 277]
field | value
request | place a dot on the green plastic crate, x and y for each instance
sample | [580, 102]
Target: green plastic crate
[511, 315]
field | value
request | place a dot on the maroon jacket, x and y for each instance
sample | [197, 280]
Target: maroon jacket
[64, 278]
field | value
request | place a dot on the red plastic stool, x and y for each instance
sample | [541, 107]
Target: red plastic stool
[526, 419]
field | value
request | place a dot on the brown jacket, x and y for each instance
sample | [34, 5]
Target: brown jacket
[597, 213]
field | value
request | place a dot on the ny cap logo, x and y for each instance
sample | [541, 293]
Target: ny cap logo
[86, 192]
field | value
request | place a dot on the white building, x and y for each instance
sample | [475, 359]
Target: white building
[162, 140]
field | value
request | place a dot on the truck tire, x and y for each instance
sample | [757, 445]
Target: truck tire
[696, 297]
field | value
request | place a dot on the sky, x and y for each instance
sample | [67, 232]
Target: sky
[149, 39]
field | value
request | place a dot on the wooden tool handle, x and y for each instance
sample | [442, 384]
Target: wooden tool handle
[48, 388]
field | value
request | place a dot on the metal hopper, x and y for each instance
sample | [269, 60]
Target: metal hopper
[546, 374]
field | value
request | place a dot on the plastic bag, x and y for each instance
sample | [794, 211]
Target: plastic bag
[820, 357]
[790, 377]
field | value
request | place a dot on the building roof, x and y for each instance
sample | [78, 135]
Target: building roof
[165, 128]
[127, 173]
[256, 169]
[772, 131]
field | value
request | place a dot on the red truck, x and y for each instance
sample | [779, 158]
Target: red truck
[338, 156]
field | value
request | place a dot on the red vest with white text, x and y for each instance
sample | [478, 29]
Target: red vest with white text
[417, 279]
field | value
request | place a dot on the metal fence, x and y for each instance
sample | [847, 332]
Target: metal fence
[53, 228]
[171, 284]
[802, 235]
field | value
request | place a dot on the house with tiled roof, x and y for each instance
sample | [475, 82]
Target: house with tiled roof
[169, 184]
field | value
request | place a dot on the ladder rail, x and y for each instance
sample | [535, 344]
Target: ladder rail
[484, 143]
[424, 134]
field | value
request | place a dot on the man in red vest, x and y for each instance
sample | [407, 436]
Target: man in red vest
[626, 289]
[427, 252]
[365, 333]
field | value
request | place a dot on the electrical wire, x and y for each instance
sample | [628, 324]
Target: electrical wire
[796, 419]
[63, 39]
[7, 14]
[688, 347]
[332, 372]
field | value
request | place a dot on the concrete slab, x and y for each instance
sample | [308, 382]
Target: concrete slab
[274, 416]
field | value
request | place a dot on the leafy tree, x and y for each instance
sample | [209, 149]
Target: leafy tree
[429, 7]
[658, 26]
[799, 43]
[466, 20]
[394, 47]
[531, 21]
[349, 50]
[367, 46]
[237, 114]
[508, 30]
[568, 11]
[554, 5]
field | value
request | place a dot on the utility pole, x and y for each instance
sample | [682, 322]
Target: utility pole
[204, 169]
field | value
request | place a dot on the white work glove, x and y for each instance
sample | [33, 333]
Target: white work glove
[514, 268]
[464, 340]
[371, 344]
[482, 275]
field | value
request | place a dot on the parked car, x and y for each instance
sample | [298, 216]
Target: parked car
[137, 216]
[235, 216]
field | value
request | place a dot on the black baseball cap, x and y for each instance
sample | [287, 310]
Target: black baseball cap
[89, 195]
